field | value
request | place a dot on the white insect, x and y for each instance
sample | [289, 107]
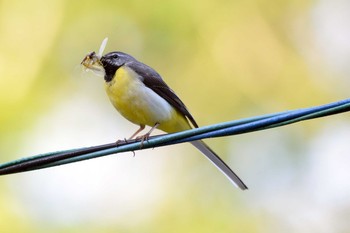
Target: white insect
[102, 47]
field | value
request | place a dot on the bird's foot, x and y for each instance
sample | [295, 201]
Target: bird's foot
[143, 138]
[121, 142]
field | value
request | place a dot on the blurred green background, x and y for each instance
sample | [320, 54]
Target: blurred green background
[226, 60]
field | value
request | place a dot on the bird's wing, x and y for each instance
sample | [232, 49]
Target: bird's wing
[154, 81]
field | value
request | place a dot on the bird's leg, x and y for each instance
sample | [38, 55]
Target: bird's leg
[142, 127]
[146, 136]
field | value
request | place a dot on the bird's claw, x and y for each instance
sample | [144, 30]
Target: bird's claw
[143, 138]
[121, 142]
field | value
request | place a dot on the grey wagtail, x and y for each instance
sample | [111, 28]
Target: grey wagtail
[140, 95]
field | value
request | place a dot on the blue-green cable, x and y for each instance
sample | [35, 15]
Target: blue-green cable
[218, 130]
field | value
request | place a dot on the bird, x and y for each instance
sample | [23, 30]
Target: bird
[140, 95]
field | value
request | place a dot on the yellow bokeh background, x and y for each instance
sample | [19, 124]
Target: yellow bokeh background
[226, 60]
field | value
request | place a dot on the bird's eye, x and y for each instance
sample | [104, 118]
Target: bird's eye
[115, 56]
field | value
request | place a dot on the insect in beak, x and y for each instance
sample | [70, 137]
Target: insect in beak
[92, 60]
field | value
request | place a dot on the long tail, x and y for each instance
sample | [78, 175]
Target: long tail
[219, 163]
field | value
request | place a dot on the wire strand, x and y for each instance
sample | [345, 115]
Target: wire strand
[235, 127]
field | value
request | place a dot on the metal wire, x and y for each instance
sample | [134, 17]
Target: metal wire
[241, 126]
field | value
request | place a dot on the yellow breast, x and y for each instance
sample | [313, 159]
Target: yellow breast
[141, 105]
